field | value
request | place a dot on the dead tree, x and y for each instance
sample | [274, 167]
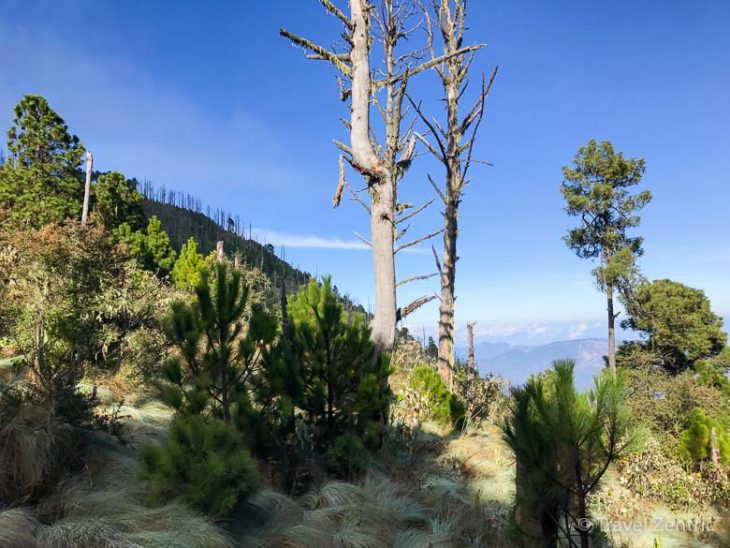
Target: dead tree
[87, 188]
[470, 361]
[382, 163]
[452, 144]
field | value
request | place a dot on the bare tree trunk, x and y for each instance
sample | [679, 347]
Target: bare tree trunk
[381, 226]
[611, 329]
[446, 306]
[87, 188]
[470, 361]
[220, 254]
[454, 149]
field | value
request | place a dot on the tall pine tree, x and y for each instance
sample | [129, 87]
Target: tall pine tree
[42, 180]
[596, 190]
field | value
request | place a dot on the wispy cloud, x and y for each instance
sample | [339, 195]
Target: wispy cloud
[283, 239]
[311, 241]
[539, 333]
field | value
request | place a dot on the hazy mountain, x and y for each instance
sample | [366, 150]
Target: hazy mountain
[518, 362]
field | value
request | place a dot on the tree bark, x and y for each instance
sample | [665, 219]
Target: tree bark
[470, 361]
[611, 329]
[87, 188]
[220, 254]
[380, 183]
[446, 306]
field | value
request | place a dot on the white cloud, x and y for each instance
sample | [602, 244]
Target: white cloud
[284, 239]
[537, 333]
[310, 241]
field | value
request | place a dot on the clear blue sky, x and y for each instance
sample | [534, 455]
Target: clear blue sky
[206, 97]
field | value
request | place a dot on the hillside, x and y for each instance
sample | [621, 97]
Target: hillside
[181, 223]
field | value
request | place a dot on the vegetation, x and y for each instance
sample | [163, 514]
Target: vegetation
[679, 326]
[41, 180]
[343, 379]
[564, 442]
[597, 189]
[207, 398]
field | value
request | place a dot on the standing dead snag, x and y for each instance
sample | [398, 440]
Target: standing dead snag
[454, 146]
[87, 188]
[382, 164]
[470, 361]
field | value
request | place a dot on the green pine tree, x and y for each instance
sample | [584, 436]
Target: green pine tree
[150, 247]
[41, 182]
[342, 378]
[219, 352]
[186, 272]
[678, 322]
[117, 201]
[564, 442]
[596, 190]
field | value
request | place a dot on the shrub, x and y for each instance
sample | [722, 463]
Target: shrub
[564, 441]
[481, 395]
[696, 442]
[428, 398]
[205, 463]
[345, 385]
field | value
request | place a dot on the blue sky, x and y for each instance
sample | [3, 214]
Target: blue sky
[207, 98]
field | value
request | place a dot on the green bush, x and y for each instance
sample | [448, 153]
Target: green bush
[696, 441]
[428, 397]
[345, 389]
[205, 463]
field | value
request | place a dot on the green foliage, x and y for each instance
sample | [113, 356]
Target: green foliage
[695, 443]
[564, 441]
[41, 182]
[117, 201]
[205, 463]
[343, 380]
[151, 247]
[432, 351]
[678, 323]
[186, 272]
[596, 189]
[216, 354]
[481, 396]
[429, 398]
[54, 278]
[713, 371]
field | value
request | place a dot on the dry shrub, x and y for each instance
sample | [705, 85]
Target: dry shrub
[652, 475]
[663, 402]
[18, 528]
[33, 454]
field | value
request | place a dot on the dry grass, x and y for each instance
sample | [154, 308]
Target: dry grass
[28, 456]
[18, 528]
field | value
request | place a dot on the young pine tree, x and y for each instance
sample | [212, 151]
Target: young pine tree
[342, 377]
[186, 272]
[564, 442]
[219, 351]
[150, 247]
[117, 201]
[596, 190]
[42, 181]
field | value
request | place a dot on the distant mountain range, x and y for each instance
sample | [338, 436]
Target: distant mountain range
[518, 362]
